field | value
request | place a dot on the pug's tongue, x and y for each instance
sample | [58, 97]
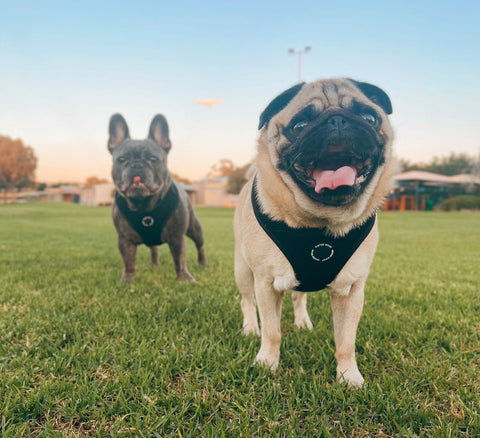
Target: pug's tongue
[331, 179]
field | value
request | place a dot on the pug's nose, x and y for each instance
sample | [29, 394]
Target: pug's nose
[338, 123]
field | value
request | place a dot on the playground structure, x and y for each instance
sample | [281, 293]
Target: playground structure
[420, 190]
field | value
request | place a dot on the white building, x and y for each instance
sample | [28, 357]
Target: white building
[213, 192]
[97, 194]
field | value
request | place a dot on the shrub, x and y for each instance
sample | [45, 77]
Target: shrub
[463, 202]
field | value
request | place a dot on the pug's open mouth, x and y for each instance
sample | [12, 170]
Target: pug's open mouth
[334, 177]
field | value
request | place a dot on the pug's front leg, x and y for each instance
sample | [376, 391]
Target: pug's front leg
[347, 310]
[246, 286]
[302, 320]
[269, 302]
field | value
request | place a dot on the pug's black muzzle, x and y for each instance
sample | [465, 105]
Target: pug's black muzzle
[339, 140]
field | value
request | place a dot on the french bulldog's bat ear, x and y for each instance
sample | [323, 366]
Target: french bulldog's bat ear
[158, 132]
[375, 94]
[277, 104]
[117, 130]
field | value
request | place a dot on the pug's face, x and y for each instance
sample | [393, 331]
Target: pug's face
[330, 138]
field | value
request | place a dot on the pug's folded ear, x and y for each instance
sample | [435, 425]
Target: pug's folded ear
[277, 104]
[375, 94]
[117, 130]
[158, 132]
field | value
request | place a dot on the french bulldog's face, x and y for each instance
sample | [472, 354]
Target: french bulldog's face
[139, 166]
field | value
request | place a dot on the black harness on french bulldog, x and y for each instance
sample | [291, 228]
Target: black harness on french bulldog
[149, 224]
[315, 256]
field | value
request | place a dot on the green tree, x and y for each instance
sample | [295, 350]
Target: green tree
[452, 164]
[237, 179]
[222, 168]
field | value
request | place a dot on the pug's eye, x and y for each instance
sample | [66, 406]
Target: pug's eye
[369, 117]
[299, 127]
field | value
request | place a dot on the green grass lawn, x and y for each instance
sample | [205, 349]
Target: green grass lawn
[83, 355]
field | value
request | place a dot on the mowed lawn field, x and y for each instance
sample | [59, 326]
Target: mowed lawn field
[83, 355]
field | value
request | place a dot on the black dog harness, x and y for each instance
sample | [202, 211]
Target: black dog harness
[149, 224]
[315, 256]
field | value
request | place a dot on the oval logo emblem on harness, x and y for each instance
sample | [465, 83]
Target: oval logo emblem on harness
[147, 221]
[322, 252]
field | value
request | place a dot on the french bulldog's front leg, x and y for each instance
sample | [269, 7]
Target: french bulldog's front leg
[154, 256]
[178, 250]
[269, 302]
[128, 251]
[347, 310]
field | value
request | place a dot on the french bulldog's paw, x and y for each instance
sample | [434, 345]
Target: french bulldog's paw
[351, 377]
[202, 260]
[251, 328]
[185, 276]
[304, 322]
[154, 263]
[127, 278]
[264, 361]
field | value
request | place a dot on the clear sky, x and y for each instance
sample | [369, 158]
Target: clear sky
[66, 66]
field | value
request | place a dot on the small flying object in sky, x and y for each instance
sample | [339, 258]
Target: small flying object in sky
[208, 102]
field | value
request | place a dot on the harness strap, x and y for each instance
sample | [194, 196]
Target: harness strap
[315, 256]
[149, 224]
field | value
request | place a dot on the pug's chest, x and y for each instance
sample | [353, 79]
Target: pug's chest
[315, 256]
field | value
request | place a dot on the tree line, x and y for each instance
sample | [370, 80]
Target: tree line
[18, 163]
[452, 164]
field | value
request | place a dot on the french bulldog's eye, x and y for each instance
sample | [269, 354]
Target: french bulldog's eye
[153, 158]
[369, 117]
[299, 127]
[122, 159]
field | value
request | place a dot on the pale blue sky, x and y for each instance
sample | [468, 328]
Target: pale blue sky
[65, 67]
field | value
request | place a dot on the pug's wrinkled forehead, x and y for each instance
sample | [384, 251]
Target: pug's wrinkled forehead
[324, 95]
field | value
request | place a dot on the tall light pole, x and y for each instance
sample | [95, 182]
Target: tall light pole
[299, 53]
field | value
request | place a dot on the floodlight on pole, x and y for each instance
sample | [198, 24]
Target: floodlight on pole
[299, 53]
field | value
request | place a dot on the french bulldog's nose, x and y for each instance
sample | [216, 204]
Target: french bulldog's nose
[338, 122]
[137, 179]
[137, 164]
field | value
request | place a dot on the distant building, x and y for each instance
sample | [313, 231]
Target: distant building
[190, 191]
[70, 193]
[213, 192]
[97, 194]
[62, 193]
[104, 194]
[420, 190]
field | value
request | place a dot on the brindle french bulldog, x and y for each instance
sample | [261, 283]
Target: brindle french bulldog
[150, 207]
